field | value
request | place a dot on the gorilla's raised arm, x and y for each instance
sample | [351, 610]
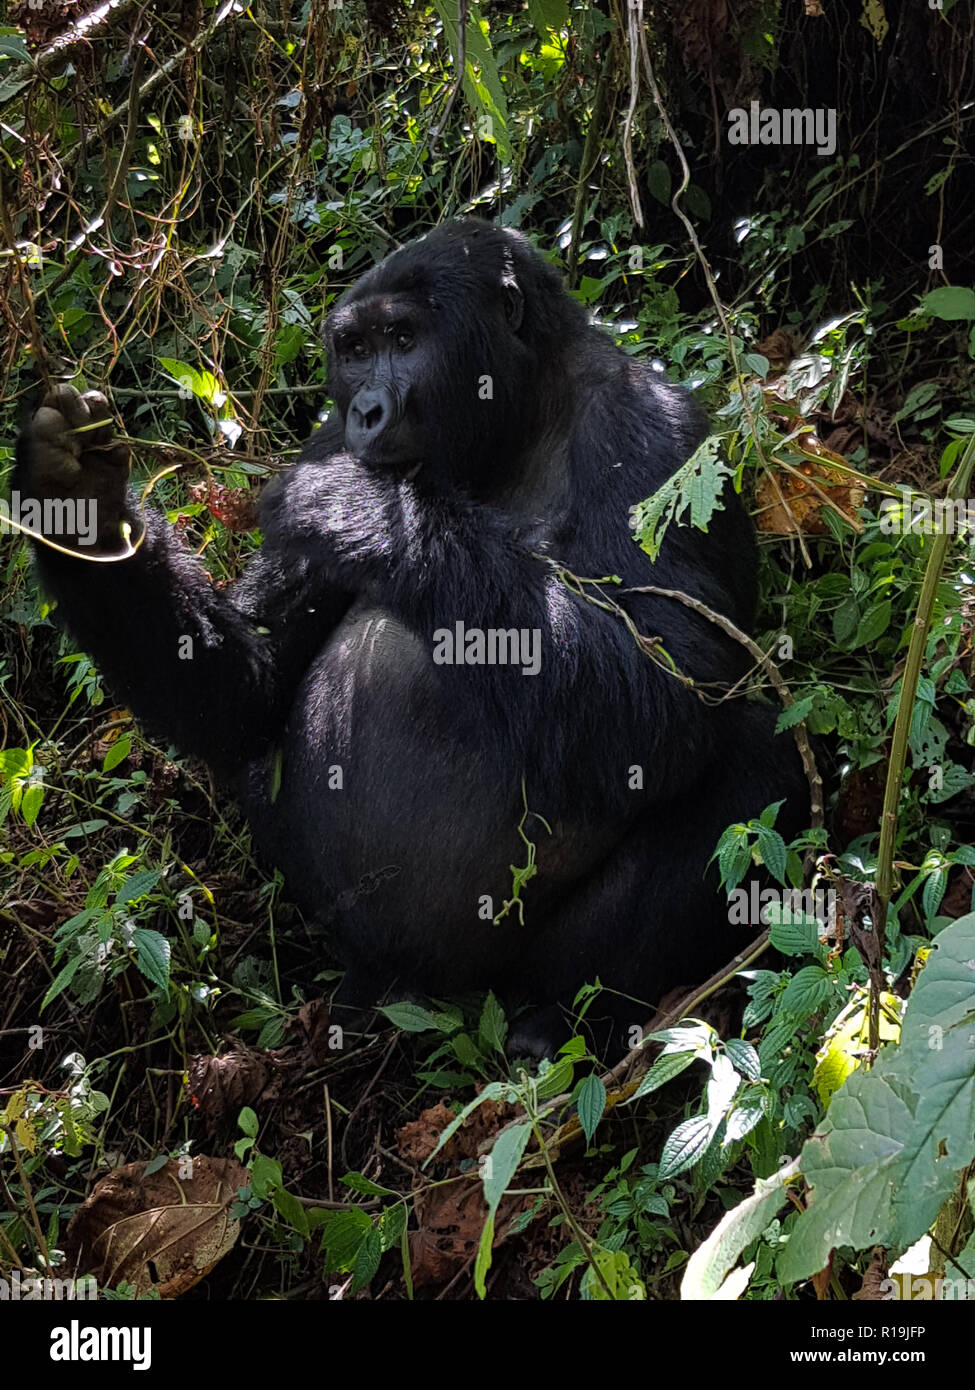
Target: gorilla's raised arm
[212, 670]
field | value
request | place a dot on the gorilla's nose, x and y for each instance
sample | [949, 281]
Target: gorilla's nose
[371, 412]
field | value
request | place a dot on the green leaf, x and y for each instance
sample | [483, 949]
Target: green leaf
[367, 1259]
[548, 14]
[659, 182]
[85, 827]
[795, 714]
[392, 1225]
[342, 1237]
[290, 1209]
[483, 87]
[807, 990]
[894, 1140]
[503, 1163]
[591, 1102]
[685, 1147]
[137, 886]
[118, 752]
[247, 1122]
[709, 1266]
[951, 302]
[369, 1189]
[744, 1058]
[266, 1175]
[556, 1079]
[493, 1027]
[13, 46]
[873, 624]
[664, 1069]
[152, 956]
[496, 1090]
[772, 849]
[694, 488]
[31, 802]
[796, 938]
[411, 1018]
[62, 980]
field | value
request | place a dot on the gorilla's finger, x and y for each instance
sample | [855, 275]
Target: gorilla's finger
[99, 430]
[69, 402]
[56, 450]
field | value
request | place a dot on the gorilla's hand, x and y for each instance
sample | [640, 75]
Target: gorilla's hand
[69, 458]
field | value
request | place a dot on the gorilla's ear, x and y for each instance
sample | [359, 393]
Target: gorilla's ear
[514, 303]
[514, 300]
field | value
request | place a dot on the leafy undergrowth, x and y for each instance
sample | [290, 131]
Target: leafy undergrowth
[178, 1112]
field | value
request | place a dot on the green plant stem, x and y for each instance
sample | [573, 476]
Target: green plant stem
[957, 488]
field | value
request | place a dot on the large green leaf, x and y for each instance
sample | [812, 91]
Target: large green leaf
[890, 1150]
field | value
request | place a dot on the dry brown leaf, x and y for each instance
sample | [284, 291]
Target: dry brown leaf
[801, 505]
[874, 1288]
[221, 1085]
[315, 1020]
[450, 1220]
[160, 1230]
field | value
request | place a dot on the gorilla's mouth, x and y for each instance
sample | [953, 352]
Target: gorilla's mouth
[402, 469]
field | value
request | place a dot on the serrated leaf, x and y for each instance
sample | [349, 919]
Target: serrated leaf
[367, 1259]
[807, 990]
[342, 1237]
[556, 1079]
[62, 980]
[771, 846]
[796, 938]
[664, 1069]
[685, 1147]
[152, 955]
[493, 1026]
[137, 886]
[895, 1139]
[795, 714]
[591, 1103]
[744, 1058]
[873, 624]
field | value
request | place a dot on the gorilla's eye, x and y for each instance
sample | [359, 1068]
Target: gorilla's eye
[404, 339]
[353, 347]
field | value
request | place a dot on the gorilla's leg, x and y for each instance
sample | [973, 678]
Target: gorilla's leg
[621, 925]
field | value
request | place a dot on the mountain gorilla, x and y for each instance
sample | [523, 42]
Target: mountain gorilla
[402, 686]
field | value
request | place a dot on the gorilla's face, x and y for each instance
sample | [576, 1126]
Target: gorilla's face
[428, 364]
[382, 360]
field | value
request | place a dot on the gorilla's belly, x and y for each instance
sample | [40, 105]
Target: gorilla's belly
[392, 806]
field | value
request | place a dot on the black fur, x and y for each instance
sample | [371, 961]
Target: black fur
[358, 569]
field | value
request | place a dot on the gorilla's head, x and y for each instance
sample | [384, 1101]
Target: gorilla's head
[440, 358]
